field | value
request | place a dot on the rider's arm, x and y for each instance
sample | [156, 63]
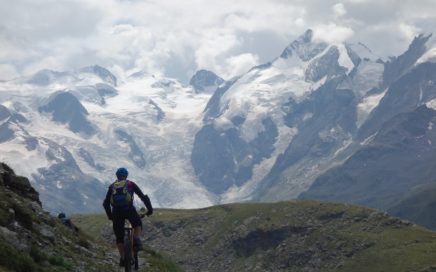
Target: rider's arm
[144, 198]
[107, 204]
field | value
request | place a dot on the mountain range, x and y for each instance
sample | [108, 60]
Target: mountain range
[320, 121]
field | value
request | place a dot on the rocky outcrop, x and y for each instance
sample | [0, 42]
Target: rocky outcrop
[19, 185]
[398, 66]
[205, 81]
[65, 108]
[33, 240]
[101, 72]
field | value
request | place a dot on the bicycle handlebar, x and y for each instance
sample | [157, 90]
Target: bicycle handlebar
[143, 213]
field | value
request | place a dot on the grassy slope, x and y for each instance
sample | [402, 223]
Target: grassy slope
[338, 238]
[418, 206]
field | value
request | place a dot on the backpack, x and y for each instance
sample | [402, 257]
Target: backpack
[121, 195]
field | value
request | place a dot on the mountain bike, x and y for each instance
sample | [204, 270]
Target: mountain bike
[130, 255]
[130, 252]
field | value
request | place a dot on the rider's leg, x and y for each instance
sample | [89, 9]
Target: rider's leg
[118, 226]
[135, 220]
[120, 247]
[136, 240]
[137, 231]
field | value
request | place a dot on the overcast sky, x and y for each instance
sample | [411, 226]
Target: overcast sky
[178, 37]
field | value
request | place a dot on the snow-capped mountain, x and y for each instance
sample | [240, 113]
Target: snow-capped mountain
[268, 134]
[279, 127]
[69, 131]
[396, 154]
[281, 124]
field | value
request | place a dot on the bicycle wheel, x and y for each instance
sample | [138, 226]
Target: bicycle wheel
[127, 255]
[135, 257]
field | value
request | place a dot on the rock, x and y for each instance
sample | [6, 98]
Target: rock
[46, 232]
[7, 234]
[19, 185]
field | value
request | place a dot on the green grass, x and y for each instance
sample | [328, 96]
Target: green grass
[396, 250]
[383, 243]
[161, 263]
[91, 225]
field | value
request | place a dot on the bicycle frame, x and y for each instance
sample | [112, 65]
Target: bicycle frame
[128, 249]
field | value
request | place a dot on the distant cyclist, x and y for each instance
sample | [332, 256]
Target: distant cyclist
[68, 222]
[118, 205]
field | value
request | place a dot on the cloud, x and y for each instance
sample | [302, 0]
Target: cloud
[339, 10]
[332, 33]
[7, 72]
[237, 65]
[176, 38]
[409, 31]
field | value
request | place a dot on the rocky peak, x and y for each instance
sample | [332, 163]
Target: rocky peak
[304, 47]
[4, 113]
[45, 77]
[205, 81]
[67, 109]
[101, 72]
[398, 66]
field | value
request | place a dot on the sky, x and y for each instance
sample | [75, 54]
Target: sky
[176, 38]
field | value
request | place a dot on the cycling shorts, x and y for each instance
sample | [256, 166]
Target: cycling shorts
[118, 219]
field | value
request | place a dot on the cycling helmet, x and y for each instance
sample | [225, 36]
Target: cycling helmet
[61, 215]
[122, 173]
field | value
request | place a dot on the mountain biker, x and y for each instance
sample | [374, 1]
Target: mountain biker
[118, 205]
[67, 222]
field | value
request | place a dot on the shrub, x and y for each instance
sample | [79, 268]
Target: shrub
[37, 255]
[16, 261]
[60, 261]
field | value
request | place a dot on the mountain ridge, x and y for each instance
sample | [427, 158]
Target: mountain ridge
[264, 135]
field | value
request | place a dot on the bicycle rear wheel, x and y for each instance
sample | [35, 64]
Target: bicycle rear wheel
[127, 255]
[135, 257]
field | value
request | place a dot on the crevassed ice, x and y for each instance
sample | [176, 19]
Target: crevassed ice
[366, 106]
[431, 104]
[261, 93]
[260, 170]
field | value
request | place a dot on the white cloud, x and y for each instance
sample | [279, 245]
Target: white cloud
[339, 10]
[332, 33]
[299, 22]
[363, 1]
[177, 37]
[409, 31]
[7, 72]
[237, 65]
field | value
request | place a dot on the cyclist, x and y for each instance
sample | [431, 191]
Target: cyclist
[67, 222]
[118, 205]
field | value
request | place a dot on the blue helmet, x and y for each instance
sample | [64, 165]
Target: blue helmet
[122, 173]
